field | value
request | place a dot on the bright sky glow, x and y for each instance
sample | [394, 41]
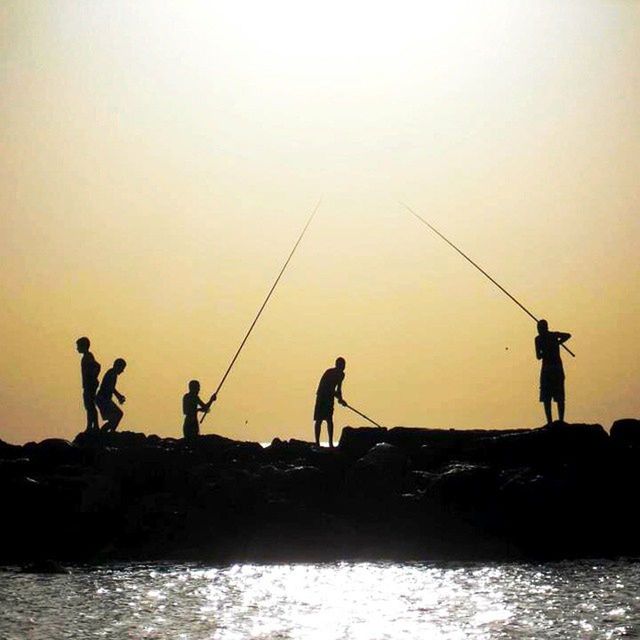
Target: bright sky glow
[159, 160]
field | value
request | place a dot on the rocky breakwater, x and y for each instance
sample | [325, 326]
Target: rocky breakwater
[563, 491]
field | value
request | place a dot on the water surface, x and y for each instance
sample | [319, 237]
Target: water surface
[355, 601]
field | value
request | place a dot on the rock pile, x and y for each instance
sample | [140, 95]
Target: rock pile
[563, 491]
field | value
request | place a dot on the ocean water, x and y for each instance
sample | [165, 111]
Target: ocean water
[355, 601]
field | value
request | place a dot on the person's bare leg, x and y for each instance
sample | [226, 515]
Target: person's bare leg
[113, 421]
[318, 426]
[92, 419]
[330, 430]
[116, 422]
[547, 411]
[561, 410]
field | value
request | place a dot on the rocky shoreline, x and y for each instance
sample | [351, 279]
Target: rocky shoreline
[564, 491]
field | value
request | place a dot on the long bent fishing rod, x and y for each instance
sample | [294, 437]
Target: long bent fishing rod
[264, 304]
[478, 267]
[348, 406]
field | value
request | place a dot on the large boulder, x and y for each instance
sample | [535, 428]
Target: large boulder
[53, 452]
[557, 444]
[355, 443]
[379, 473]
[115, 439]
[445, 441]
[10, 451]
[211, 446]
[626, 432]
[288, 452]
[305, 483]
[464, 485]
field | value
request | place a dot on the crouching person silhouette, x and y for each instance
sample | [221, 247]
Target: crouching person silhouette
[109, 410]
[191, 406]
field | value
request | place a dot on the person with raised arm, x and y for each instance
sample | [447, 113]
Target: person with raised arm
[191, 406]
[547, 345]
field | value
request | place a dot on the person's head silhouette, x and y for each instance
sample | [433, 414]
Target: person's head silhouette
[83, 344]
[120, 365]
[194, 386]
[341, 363]
[543, 327]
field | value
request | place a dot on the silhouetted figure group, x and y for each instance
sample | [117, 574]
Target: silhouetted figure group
[100, 395]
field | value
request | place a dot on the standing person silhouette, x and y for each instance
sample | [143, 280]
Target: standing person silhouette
[552, 372]
[191, 405]
[330, 387]
[108, 408]
[90, 370]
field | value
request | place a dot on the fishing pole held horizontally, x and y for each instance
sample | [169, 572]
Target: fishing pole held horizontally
[264, 304]
[478, 267]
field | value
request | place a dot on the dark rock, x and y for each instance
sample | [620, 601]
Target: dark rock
[305, 483]
[355, 443]
[383, 493]
[288, 451]
[465, 485]
[626, 432]
[379, 473]
[14, 468]
[10, 451]
[244, 452]
[416, 482]
[53, 452]
[545, 446]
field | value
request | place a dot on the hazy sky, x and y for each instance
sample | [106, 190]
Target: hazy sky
[159, 160]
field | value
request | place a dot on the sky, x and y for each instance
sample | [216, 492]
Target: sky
[160, 159]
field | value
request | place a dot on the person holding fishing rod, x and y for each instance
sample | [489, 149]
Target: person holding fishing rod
[551, 372]
[330, 387]
[191, 406]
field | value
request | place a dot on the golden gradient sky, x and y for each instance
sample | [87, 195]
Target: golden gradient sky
[159, 161]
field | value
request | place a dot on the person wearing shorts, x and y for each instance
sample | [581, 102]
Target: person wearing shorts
[109, 410]
[191, 406]
[329, 388]
[547, 345]
[90, 370]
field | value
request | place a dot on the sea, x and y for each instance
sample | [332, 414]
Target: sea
[354, 601]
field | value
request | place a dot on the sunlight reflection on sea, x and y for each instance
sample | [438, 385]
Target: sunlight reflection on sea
[355, 601]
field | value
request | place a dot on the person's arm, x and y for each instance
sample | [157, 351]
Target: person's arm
[562, 337]
[117, 394]
[205, 406]
[338, 392]
[539, 353]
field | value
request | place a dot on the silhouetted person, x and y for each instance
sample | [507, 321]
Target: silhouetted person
[330, 387]
[551, 373]
[191, 406]
[109, 410]
[90, 370]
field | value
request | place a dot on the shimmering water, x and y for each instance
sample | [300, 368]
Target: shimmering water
[351, 601]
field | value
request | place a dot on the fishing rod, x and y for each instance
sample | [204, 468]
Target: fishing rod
[478, 267]
[264, 304]
[348, 406]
